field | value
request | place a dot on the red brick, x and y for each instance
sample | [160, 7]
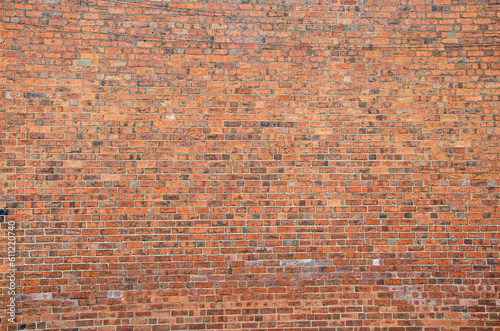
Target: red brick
[297, 165]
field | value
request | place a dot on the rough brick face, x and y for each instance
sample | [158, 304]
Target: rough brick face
[254, 165]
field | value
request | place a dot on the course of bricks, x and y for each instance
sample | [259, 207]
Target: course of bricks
[251, 165]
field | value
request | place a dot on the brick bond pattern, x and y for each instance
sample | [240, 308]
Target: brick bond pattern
[253, 165]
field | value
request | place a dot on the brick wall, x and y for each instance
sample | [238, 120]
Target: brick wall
[254, 165]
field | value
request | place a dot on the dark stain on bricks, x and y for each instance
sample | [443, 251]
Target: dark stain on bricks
[34, 95]
[268, 124]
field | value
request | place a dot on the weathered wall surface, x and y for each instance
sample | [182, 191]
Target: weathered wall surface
[263, 165]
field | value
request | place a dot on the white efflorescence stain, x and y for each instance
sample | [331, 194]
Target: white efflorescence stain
[376, 262]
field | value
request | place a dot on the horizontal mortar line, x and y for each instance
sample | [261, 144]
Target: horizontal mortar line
[277, 128]
[279, 8]
[341, 34]
[153, 2]
[332, 47]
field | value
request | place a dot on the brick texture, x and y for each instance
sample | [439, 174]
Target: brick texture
[257, 165]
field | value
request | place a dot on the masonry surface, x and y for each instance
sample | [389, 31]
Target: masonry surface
[257, 165]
